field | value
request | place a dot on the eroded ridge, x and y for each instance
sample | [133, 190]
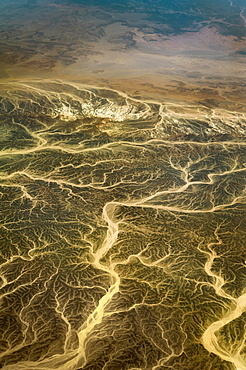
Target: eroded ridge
[122, 231]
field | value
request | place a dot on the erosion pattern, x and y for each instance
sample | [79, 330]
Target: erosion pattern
[122, 231]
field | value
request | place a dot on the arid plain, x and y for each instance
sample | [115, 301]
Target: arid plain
[122, 185]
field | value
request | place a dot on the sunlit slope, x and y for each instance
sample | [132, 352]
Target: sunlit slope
[122, 232]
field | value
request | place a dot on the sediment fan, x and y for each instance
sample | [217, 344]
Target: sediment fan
[122, 231]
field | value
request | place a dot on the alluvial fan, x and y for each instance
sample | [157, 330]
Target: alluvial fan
[122, 231]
